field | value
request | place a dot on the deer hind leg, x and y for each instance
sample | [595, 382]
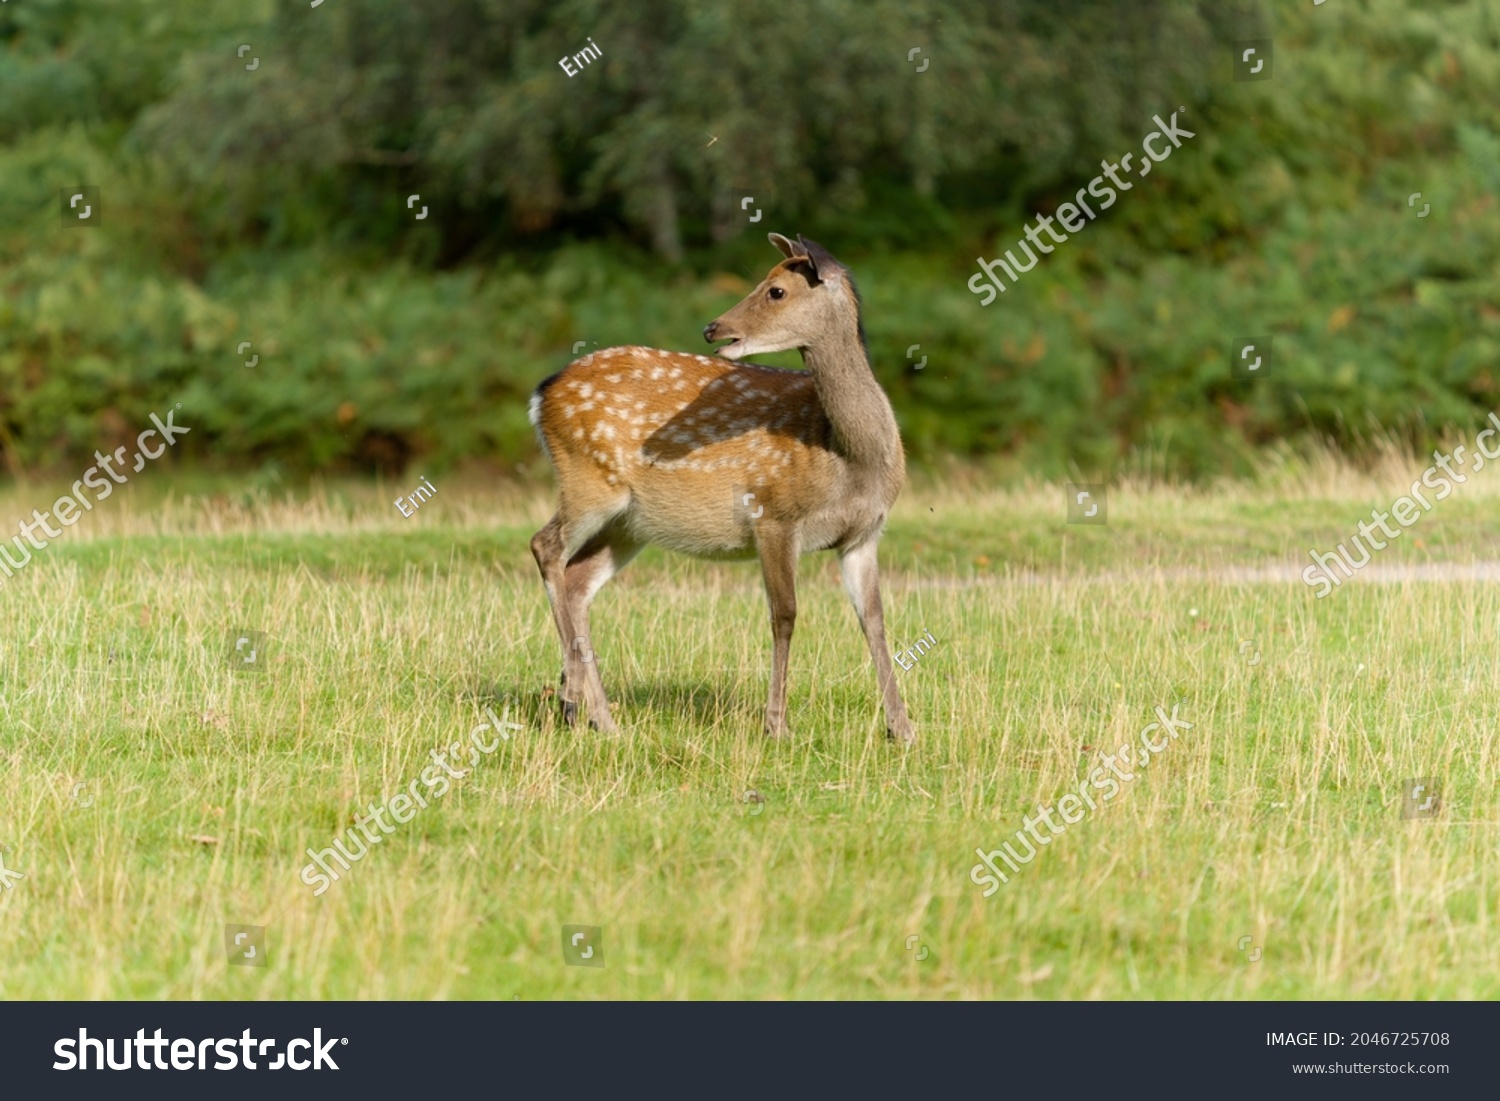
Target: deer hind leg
[575, 558]
[861, 573]
[777, 547]
[588, 571]
[549, 548]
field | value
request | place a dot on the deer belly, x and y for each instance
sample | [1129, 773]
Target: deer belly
[699, 520]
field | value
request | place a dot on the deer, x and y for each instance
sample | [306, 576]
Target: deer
[674, 449]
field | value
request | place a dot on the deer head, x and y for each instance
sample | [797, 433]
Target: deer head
[802, 298]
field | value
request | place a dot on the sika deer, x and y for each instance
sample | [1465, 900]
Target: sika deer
[670, 448]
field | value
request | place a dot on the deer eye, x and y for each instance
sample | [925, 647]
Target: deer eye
[777, 292]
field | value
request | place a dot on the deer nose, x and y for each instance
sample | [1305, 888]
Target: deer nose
[709, 330]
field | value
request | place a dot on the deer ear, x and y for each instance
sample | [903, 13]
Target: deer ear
[788, 249]
[824, 265]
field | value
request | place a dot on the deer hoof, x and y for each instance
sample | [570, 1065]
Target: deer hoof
[904, 734]
[570, 712]
[603, 723]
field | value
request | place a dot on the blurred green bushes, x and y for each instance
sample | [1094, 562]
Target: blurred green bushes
[268, 206]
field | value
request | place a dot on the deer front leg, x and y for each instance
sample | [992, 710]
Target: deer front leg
[777, 546]
[861, 574]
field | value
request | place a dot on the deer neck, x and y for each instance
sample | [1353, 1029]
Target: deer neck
[864, 425]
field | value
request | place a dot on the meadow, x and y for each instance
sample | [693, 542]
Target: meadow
[1276, 816]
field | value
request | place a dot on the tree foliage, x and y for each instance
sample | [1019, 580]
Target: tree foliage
[269, 204]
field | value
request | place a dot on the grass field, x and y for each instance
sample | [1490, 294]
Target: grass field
[1277, 816]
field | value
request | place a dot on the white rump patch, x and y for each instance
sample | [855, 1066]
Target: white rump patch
[534, 415]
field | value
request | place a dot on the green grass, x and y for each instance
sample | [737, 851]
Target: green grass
[1276, 816]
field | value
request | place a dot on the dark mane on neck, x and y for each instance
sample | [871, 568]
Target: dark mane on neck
[804, 266]
[859, 313]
